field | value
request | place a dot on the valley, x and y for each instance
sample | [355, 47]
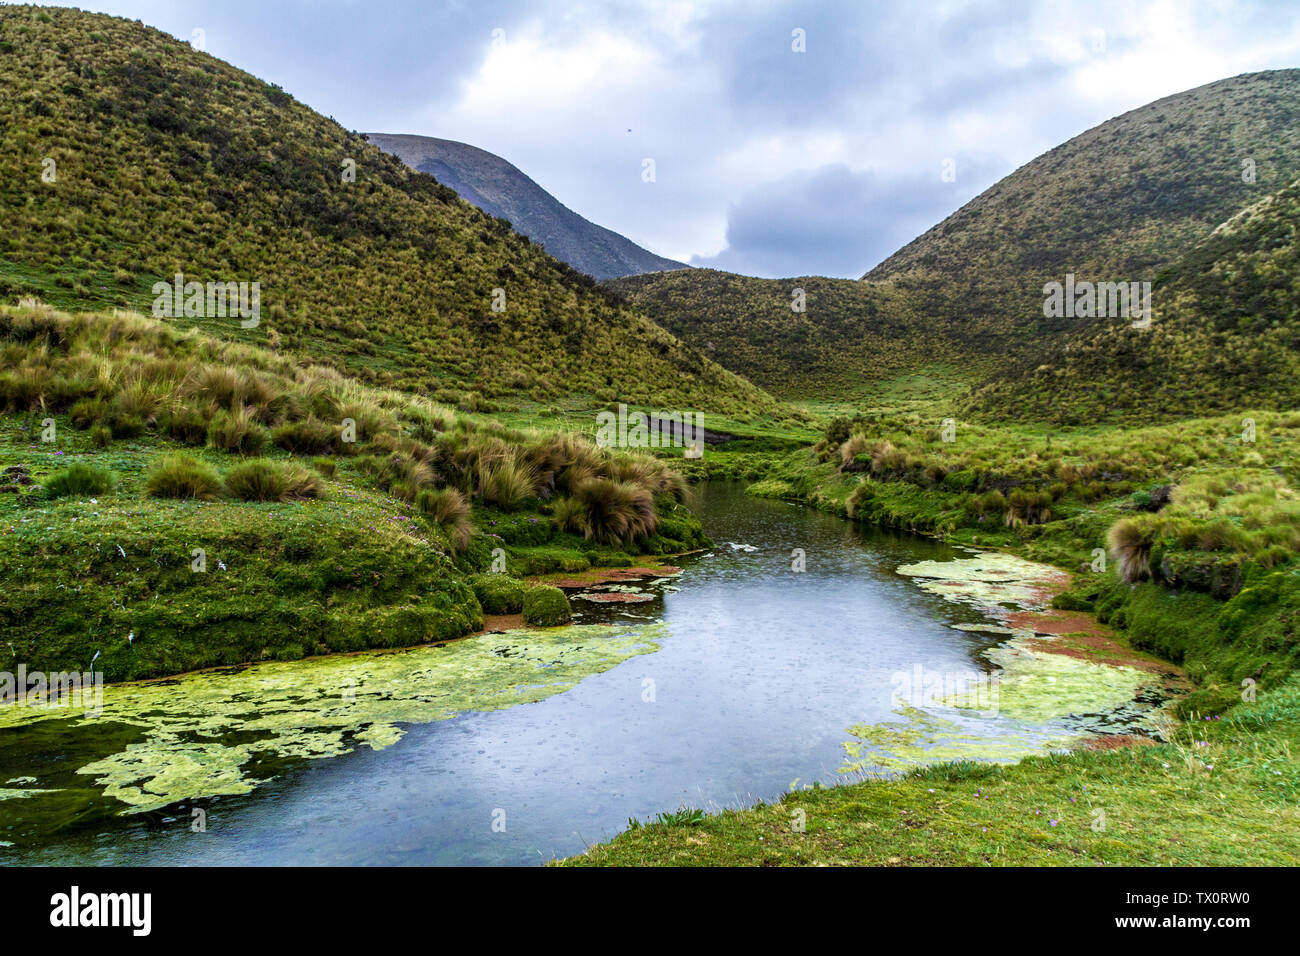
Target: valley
[372, 528]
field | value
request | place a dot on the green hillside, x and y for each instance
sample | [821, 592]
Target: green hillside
[1119, 202]
[127, 157]
[128, 446]
[849, 335]
[1224, 337]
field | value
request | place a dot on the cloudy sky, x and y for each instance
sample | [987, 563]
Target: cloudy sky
[767, 160]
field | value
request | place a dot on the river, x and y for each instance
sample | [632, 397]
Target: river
[742, 678]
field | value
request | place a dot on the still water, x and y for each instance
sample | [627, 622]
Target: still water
[745, 689]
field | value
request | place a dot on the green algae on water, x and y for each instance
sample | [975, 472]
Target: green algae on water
[1039, 686]
[989, 581]
[202, 731]
[922, 738]
[1033, 702]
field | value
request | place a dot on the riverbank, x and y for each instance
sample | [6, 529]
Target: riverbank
[1217, 790]
[171, 502]
[1222, 789]
[1220, 793]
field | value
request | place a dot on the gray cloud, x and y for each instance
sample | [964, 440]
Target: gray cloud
[836, 221]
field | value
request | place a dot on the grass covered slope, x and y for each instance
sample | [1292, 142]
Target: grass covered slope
[847, 336]
[170, 500]
[127, 157]
[1116, 203]
[1224, 337]
[502, 190]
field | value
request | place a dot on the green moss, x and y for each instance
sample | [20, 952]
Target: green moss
[546, 606]
[499, 593]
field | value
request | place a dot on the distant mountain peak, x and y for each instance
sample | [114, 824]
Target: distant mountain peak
[501, 189]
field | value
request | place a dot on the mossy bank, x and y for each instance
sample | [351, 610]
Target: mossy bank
[170, 502]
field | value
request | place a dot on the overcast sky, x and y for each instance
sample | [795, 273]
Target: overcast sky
[767, 161]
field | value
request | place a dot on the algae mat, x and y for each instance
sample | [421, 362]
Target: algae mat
[1029, 700]
[197, 735]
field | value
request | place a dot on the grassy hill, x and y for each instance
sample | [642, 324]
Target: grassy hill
[1123, 202]
[1224, 337]
[1119, 202]
[127, 157]
[127, 447]
[850, 335]
[501, 189]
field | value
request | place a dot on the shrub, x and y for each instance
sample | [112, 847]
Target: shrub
[180, 476]
[449, 509]
[101, 436]
[546, 606]
[499, 593]
[79, 480]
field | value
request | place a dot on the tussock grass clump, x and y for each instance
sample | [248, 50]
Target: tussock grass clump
[1027, 507]
[546, 606]
[257, 480]
[428, 422]
[237, 431]
[311, 436]
[79, 480]
[265, 480]
[370, 418]
[617, 511]
[850, 449]
[648, 472]
[570, 515]
[1129, 544]
[181, 476]
[401, 476]
[507, 484]
[87, 412]
[186, 424]
[448, 508]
